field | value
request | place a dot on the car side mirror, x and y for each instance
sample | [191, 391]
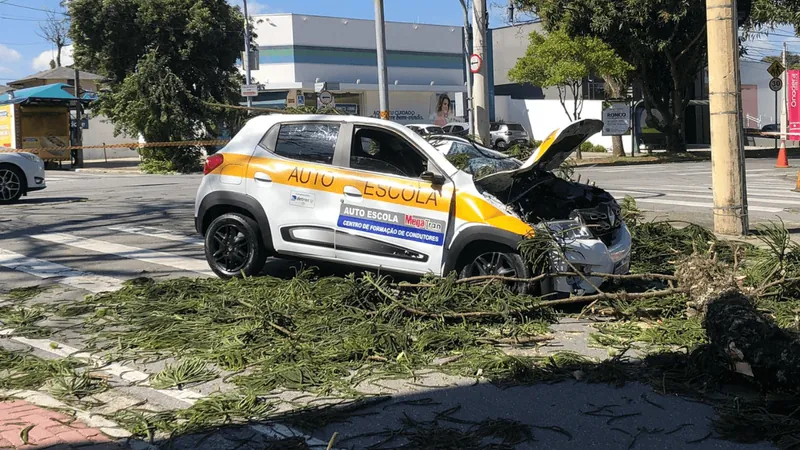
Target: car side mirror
[434, 178]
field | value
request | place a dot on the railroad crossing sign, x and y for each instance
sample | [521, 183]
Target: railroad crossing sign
[776, 69]
[776, 84]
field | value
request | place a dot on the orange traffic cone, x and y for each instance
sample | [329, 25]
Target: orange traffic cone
[783, 160]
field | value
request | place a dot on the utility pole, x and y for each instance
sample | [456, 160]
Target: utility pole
[247, 51]
[785, 99]
[380, 37]
[79, 120]
[467, 47]
[727, 156]
[480, 85]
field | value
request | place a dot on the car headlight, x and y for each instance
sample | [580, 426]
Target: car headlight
[30, 157]
[568, 230]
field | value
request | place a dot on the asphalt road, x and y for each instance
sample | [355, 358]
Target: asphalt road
[89, 232]
[682, 191]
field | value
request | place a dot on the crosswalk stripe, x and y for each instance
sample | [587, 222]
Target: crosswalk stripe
[706, 189]
[159, 233]
[69, 276]
[709, 196]
[663, 201]
[125, 251]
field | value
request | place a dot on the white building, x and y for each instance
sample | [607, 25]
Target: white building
[298, 51]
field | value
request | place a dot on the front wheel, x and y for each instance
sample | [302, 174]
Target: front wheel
[233, 247]
[12, 184]
[498, 263]
[501, 145]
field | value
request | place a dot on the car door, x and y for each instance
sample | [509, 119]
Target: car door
[293, 176]
[390, 216]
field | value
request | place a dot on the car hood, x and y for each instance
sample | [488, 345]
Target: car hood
[552, 152]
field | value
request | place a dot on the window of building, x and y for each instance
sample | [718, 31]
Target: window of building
[386, 152]
[313, 142]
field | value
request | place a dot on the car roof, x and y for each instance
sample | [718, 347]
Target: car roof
[422, 125]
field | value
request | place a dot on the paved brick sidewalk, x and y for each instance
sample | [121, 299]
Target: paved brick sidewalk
[47, 432]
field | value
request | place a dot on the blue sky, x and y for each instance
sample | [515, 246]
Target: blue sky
[23, 51]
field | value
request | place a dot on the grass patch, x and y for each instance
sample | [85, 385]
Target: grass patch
[23, 294]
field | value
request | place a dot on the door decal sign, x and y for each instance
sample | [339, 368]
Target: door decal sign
[392, 224]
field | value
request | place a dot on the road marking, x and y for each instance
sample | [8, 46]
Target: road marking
[703, 189]
[694, 204]
[69, 276]
[159, 233]
[709, 196]
[125, 251]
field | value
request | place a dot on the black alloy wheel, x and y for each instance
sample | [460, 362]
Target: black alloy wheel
[233, 246]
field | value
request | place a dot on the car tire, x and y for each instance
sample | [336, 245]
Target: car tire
[501, 145]
[12, 184]
[500, 262]
[233, 246]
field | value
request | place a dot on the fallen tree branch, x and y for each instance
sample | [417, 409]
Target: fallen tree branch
[516, 340]
[544, 304]
[760, 291]
[610, 276]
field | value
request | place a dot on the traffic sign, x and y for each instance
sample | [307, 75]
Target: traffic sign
[325, 97]
[249, 90]
[475, 63]
[776, 84]
[776, 69]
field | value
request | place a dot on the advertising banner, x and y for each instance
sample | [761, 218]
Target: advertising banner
[793, 100]
[7, 126]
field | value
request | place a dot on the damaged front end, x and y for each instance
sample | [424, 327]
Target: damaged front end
[584, 222]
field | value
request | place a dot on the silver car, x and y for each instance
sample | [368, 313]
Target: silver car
[505, 135]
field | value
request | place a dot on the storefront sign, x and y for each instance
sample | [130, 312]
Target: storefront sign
[348, 108]
[617, 119]
[6, 126]
[249, 90]
[402, 116]
[793, 99]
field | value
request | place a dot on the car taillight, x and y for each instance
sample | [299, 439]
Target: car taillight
[212, 163]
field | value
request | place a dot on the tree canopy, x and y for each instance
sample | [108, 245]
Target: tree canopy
[163, 60]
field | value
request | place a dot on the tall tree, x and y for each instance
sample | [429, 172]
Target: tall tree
[663, 39]
[56, 31]
[560, 61]
[165, 61]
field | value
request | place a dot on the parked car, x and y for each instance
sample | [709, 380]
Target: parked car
[504, 135]
[426, 129]
[20, 173]
[374, 194]
[456, 128]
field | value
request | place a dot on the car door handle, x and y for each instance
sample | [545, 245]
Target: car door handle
[261, 176]
[351, 191]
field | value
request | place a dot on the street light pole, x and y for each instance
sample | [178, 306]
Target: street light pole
[380, 37]
[247, 52]
[480, 85]
[467, 47]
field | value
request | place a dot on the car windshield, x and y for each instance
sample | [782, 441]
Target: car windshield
[474, 158]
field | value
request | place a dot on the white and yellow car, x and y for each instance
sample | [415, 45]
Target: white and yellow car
[374, 194]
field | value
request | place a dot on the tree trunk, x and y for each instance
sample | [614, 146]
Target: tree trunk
[675, 139]
[755, 344]
[617, 149]
[58, 57]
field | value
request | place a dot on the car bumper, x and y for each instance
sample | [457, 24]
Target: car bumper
[36, 179]
[592, 256]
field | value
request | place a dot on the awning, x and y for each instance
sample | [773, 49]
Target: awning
[51, 93]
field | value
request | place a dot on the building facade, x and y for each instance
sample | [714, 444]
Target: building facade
[299, 54]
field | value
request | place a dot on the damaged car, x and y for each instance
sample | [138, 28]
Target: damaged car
[374, 194]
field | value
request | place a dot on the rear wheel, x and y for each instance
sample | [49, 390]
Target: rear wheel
[498, 263]
[233, 246]
[12, 184]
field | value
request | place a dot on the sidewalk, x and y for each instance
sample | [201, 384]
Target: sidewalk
[117, 165]
[24, 425]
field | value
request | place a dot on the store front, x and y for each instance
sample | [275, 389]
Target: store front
[302, 55]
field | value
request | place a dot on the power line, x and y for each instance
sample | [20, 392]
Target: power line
[34, 9]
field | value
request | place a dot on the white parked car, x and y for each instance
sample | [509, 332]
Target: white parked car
[426, 129]
[20, 173]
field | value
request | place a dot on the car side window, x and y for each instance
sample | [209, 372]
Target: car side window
[313, 142]
[494, 127]
[385, 152]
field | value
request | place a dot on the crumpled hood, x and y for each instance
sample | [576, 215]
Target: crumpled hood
[552, 152]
